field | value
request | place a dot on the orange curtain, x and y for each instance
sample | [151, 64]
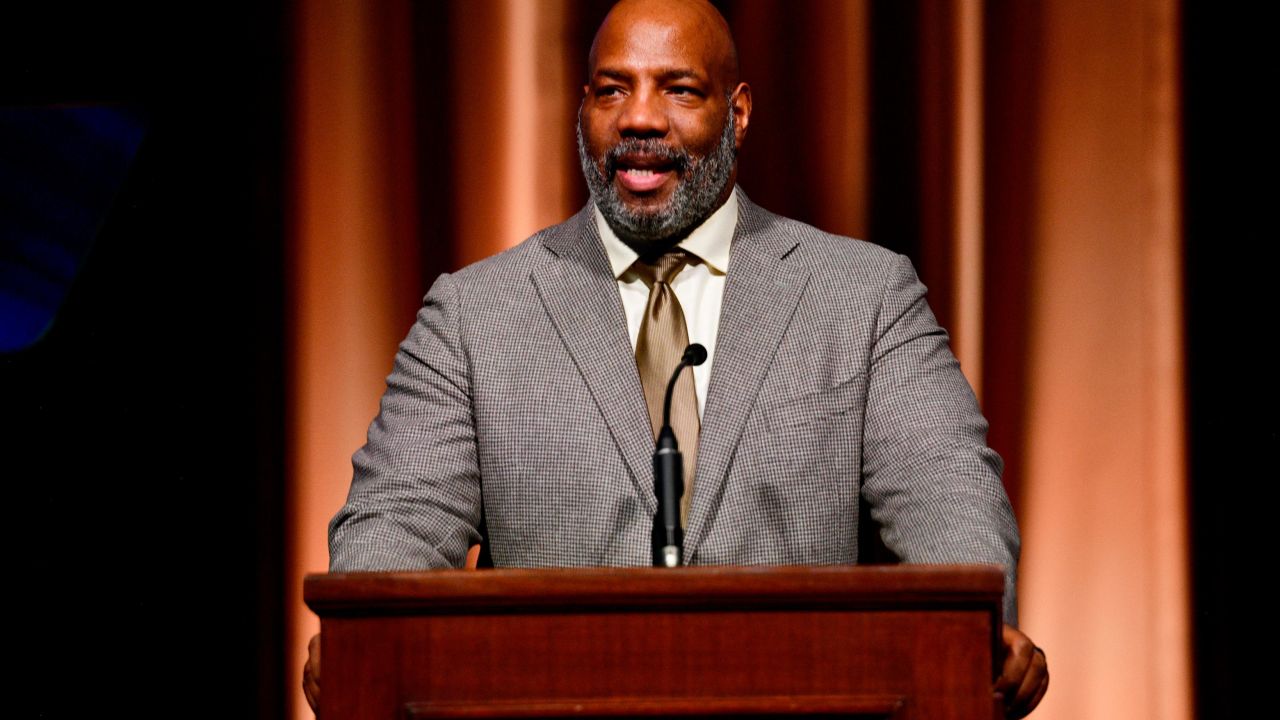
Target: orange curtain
[1084, 268]
[1024, 154]
[353, 255]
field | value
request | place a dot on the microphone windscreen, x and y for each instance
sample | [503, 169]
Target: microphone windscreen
[695, 354]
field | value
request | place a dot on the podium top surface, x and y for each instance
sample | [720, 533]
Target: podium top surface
[690, 588]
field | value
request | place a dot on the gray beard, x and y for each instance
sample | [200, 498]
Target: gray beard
[698, 188]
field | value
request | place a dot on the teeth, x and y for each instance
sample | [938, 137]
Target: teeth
[640, 172]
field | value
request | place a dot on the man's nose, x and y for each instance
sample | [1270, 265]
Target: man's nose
[643, 115]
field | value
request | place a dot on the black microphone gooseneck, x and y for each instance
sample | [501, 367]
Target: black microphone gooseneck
[668, 475]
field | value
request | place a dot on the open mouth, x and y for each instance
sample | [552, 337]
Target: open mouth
[643, 179]
[643, 172]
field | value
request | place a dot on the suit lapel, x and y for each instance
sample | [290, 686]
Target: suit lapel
[760, 297]
[581, 297]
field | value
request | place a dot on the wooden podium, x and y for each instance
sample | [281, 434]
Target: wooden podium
[907, 641]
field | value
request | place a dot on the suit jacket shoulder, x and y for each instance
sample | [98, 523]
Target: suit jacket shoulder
[844, 260]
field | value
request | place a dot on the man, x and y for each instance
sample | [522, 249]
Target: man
[522, 407]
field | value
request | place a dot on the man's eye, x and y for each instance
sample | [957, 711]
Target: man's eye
[684, 91]
[608, 91]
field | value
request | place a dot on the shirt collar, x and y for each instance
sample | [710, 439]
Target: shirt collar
[709, 241]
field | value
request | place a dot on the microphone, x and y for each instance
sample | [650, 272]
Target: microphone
[668, 474]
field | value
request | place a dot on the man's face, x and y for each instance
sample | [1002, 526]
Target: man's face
[657, 131]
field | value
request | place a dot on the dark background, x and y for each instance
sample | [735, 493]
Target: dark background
[1230, 162]
[143, 437]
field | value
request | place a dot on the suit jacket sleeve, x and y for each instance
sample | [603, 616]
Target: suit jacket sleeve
[415, 497]
[932, 483]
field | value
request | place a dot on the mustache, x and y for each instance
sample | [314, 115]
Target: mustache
[651, 149]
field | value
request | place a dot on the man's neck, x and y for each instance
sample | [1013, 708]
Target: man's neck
[709, 240]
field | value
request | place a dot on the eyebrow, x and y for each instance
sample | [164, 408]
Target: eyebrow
[680, 74]
[663, 76]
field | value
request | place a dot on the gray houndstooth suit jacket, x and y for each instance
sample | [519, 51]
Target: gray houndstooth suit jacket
[515, 404]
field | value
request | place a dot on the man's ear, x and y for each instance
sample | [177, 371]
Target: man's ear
[740, 104]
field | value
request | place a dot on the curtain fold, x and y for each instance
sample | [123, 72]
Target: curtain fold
[1025, 155]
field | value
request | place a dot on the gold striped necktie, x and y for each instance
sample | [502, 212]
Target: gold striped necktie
[663, 338]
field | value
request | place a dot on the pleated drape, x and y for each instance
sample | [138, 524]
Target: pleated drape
[1025, 155]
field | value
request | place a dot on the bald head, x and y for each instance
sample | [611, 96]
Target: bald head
[695, 25]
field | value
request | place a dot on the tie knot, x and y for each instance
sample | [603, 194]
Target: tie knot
[663, 269]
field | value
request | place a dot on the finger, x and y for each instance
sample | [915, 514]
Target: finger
[1040, 693]
[1031, 682]
[311, 673]
[312, 700]
[311, 689]
[1012, 674]
[1017, 659]
[1021, 710]
[313, 656]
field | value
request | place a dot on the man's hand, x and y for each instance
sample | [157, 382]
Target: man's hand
[311, 674]
[1025, 675]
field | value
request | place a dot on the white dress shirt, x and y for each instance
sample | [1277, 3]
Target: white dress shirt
[699, 287]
